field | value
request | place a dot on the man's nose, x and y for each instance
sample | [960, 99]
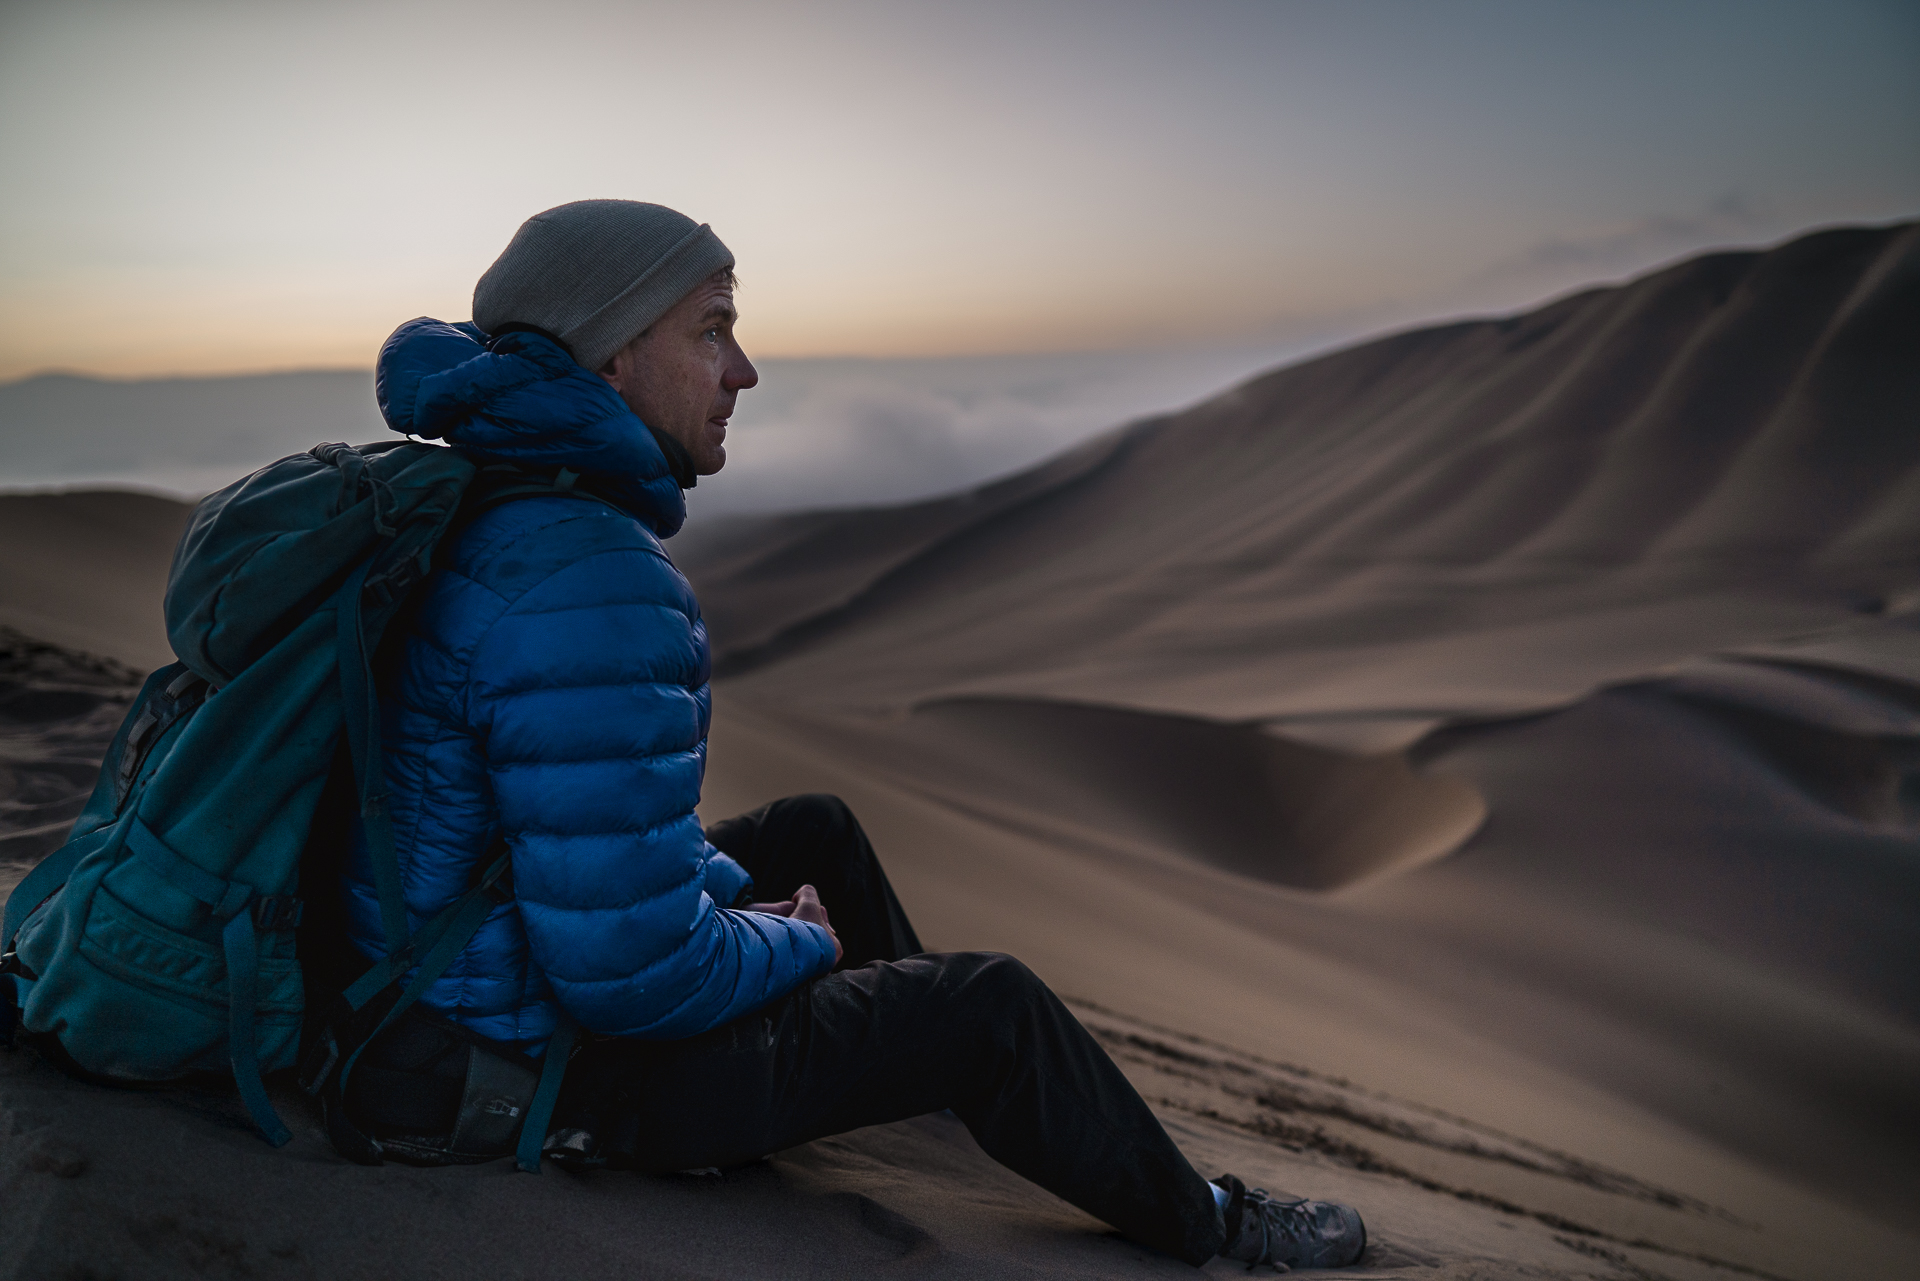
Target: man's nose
[740, 373]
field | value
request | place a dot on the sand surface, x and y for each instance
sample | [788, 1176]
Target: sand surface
[1475, 775]
[85, 570]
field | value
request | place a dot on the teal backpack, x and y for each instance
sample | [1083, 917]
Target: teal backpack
[158, 943]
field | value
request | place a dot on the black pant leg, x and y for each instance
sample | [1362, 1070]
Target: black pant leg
[815, 840]
[973, 1031]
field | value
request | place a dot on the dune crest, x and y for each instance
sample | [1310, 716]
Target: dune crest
[1238, 797]
[1714, 455]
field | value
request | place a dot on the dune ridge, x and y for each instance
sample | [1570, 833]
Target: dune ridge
[1728, 425]
[1233, 796]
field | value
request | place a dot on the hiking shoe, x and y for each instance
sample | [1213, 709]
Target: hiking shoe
[1289, 1232]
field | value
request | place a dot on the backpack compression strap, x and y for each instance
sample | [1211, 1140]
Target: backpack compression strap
[170, 694]
[245, 913]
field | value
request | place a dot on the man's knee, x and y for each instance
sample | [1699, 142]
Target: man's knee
[814, 813]
[1002, 979]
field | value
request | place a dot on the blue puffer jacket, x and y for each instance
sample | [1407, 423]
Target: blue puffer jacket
[551, 692]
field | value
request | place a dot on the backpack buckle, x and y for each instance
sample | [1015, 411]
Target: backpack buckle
[496, 881]
[278, 913]
[319, 1062]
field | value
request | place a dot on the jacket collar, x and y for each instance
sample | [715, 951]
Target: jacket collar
[520, 398]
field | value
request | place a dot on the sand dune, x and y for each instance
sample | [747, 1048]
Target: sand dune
[86, 571]
[1614, 601]
[1475, 774]
[1491, 513]
[1235, 796]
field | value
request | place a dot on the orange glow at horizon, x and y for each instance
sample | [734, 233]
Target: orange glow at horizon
[206, 190]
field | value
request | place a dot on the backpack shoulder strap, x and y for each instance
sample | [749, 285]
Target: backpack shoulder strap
[492, 486]
[502, 483]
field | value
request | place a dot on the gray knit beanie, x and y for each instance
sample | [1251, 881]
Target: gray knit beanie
[595, 273]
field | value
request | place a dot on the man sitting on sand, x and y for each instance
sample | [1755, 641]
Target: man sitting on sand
[746, 988]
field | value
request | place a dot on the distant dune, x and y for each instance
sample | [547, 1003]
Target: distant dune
[183, 435]
[1728, 421]
[1475, 774]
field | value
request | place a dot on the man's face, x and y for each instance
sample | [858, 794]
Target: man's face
[683, 374]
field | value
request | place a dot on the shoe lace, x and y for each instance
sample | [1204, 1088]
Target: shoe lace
[1272, 1214]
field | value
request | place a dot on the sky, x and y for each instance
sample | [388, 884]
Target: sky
[198, 188]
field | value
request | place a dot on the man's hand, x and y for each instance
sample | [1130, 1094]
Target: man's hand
[805, 905]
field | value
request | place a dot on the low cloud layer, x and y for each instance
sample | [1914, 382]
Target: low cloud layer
[815, 433]
[826, 433]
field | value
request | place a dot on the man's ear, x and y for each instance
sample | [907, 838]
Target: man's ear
[611, 370]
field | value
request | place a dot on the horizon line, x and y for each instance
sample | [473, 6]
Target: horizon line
[1313, 343]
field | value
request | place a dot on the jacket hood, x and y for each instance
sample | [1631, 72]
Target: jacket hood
[520, 398]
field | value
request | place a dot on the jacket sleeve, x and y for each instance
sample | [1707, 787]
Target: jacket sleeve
[589, 692]
[726, 879]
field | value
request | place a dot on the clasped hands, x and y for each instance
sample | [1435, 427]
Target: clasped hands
[805, 905]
